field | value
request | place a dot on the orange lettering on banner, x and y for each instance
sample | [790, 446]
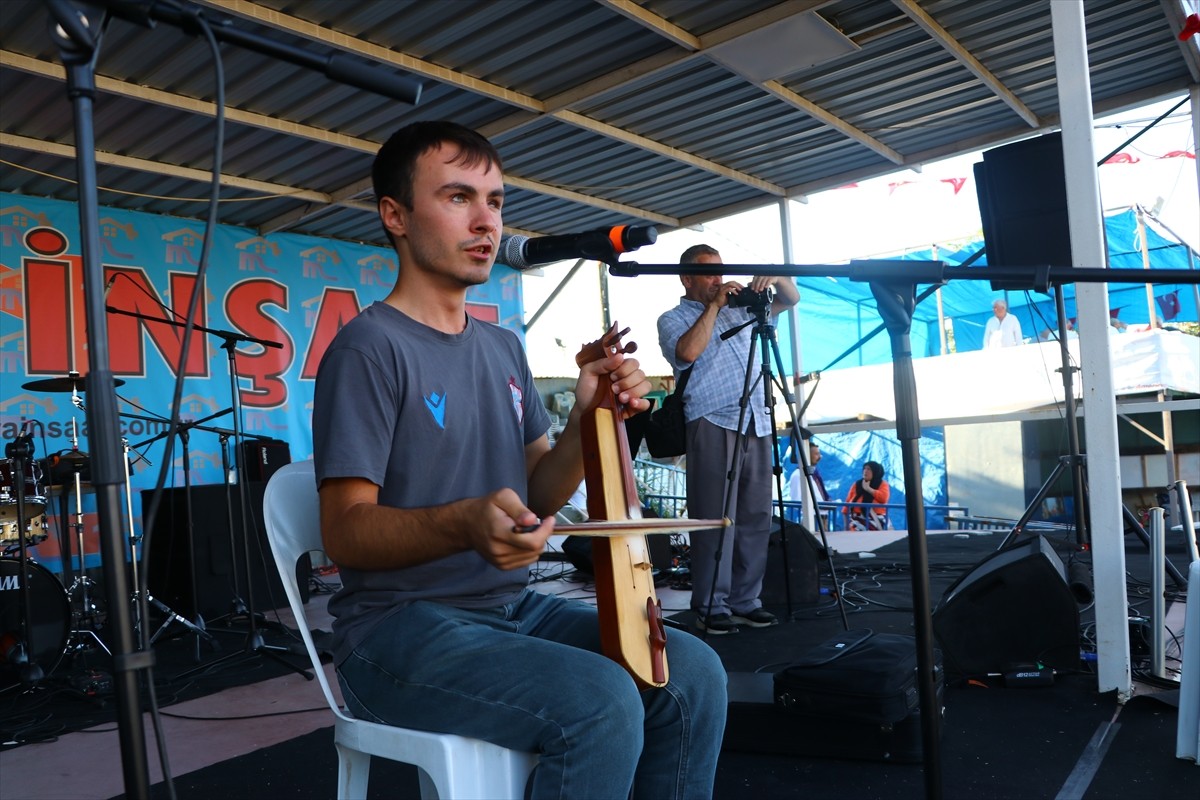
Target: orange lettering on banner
[132, 291]
[53, 339]
[264, 366]
[338, 306]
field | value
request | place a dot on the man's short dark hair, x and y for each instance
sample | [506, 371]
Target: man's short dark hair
[695, 251]
[396, 162]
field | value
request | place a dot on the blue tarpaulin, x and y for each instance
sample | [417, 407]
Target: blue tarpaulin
[835, 313]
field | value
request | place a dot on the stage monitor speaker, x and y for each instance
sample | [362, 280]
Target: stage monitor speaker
[262, 458]
[170, 564]
[804, 551]
[1012, 609]
[1022, 193]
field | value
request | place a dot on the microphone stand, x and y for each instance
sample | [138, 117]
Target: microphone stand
[894, 286]
[196, 625]
[78, 42]
[78, 39]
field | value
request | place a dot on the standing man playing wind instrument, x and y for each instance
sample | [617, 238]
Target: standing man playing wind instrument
[431, 451]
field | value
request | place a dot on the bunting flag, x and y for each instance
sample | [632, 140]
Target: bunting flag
[1169, 303]
[957, 183]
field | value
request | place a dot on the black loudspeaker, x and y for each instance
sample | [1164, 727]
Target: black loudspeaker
[263, 457]
[1022, 193]
[1012, 609]
[803, 552]
[170, 563]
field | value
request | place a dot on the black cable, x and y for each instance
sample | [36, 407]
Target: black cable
[180, 375]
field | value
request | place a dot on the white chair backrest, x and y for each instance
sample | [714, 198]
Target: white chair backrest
[291, 514]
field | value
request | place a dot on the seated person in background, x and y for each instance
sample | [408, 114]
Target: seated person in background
[871, 489]
[796, 482]
[1051, 334]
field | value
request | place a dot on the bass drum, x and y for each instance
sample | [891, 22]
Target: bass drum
[49, 617]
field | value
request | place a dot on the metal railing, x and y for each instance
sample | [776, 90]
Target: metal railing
[663, 490]
[666, 505]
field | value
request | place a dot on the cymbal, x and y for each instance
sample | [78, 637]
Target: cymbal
[72, 383]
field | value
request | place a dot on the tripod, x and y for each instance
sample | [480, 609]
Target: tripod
[1076, 463]
[763, 342]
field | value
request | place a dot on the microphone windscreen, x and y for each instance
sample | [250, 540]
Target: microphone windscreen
[512, 251]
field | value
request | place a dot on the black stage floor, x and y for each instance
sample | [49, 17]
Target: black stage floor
[1065, 740]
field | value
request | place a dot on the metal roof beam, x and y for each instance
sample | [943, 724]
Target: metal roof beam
[171, 170]
[363, 188]
[1177, 14]
[964, 57]
[664, 28]
[702, 44]
[48, 69]
[327, 36]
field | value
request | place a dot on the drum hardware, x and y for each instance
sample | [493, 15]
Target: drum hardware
[73, 383]
[24, 489]
[18, 646]
[86, 617]
[37, 653]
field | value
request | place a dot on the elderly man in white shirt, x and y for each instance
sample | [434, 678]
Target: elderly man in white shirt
[1003, 329]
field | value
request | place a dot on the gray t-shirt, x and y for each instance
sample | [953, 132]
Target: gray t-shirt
[430, 418]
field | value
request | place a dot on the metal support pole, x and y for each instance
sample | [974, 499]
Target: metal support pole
[1158, 584]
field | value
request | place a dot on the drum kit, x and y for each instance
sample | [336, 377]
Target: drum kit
[42, 618]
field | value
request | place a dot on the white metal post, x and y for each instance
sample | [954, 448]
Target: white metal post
[1087, 249]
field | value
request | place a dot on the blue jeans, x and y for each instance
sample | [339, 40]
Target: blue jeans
[528, 676]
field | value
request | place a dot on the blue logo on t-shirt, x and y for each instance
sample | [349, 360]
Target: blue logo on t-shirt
[436, 403]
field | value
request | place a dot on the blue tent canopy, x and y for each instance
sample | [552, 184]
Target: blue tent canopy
[835, 313]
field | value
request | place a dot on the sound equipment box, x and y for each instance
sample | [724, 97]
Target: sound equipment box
[1013, 609]
[1022, 193]
[804, 551]
[854, 696]
[263, 457]
[214, 558]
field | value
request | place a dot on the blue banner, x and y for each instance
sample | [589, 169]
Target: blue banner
[294, 291]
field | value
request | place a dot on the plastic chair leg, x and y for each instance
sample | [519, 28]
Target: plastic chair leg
[354, 771]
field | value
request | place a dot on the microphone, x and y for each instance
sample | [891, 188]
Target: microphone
[602, 244]
[812, 376]
[108, 286]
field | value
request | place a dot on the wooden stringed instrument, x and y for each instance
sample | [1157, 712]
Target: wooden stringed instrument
[631, 624]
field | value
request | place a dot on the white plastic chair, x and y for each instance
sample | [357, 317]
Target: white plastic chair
[450, 767]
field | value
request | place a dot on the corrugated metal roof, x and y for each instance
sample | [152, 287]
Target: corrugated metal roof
[606, 111]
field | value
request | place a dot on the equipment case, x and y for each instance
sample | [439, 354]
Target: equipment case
[854, 696]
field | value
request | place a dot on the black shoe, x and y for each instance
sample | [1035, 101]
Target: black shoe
[717, 624]
[758, 618]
